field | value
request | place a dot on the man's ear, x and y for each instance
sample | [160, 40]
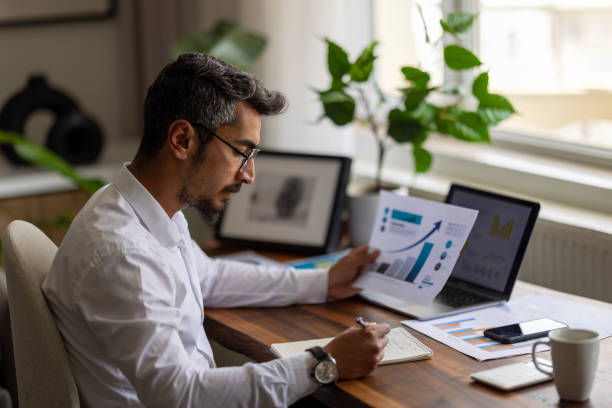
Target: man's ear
[182, 139]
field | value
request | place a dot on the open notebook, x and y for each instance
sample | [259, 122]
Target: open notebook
[402, 346]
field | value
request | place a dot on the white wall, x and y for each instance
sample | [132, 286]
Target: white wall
[295, 62]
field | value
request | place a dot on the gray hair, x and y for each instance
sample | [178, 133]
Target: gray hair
[200, 88]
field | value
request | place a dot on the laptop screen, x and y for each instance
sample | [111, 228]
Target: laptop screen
[494, 250]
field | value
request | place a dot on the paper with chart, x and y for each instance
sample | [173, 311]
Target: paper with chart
[464, 332]
[420, 241]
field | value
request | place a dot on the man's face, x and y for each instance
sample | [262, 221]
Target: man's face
[213, 180]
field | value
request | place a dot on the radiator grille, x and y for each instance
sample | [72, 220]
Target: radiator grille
[570, 259]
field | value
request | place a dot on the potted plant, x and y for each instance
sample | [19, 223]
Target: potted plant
[421, 109]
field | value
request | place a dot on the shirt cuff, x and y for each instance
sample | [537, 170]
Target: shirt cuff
[300, 369]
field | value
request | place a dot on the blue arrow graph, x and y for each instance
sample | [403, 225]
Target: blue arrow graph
[435, 228]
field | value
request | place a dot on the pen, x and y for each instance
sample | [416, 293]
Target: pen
[361, 321]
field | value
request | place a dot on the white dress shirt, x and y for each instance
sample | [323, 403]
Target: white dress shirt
[128, 287]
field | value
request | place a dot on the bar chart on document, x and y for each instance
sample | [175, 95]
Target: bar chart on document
[469, 331]
[420, 242]
[464, 332]
[409, 267]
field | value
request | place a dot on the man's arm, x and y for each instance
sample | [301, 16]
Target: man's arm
[128, 302]
[227, 283]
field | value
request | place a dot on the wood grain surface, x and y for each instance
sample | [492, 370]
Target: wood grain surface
[442, 381]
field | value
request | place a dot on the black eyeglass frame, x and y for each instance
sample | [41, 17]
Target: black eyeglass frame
[247, 157]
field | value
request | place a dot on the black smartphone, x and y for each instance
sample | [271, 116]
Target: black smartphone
[531, 329]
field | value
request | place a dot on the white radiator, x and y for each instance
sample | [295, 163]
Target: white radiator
[569, 259]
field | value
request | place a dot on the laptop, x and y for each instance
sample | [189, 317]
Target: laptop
[489, 262]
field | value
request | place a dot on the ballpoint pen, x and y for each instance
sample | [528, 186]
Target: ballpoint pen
[361, 321]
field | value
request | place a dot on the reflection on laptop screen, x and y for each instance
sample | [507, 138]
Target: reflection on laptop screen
[490, 252]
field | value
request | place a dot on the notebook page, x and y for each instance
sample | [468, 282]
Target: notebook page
[402, 346]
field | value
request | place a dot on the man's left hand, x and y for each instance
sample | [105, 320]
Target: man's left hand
[343, 273]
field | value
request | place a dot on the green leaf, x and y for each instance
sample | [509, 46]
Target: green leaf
[61, 221]
[338, 106]
[11, 138]
[403, 127]
[422, 159]
[457, 22]
[496, 101]
[480, 86]
[470, 128]
[445, 119]
[426, 114]
[447, 28]
[42, 157]
[89, 185]
[201, 41]
[458, 58]
[418, 77]
[337, 60]
[225, 41]
[494, 108]
[413, 97]
[362, 68]
[337, 85]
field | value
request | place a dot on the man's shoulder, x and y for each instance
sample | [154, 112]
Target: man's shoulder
[104, 227]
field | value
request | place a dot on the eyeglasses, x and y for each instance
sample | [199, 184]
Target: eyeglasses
[250, 155]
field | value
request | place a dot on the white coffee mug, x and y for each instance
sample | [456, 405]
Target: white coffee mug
[574, 357]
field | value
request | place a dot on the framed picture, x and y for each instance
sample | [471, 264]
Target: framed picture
[34, 12]
[295, 203]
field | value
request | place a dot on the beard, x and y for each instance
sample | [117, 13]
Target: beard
[205, 206]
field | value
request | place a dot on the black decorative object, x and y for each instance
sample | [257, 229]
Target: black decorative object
[74, 136]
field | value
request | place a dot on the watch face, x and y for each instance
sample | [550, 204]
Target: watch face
[325, 372]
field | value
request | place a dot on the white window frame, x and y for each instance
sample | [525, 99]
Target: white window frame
[573, 183]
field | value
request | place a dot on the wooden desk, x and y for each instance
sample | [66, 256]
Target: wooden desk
[442, 381]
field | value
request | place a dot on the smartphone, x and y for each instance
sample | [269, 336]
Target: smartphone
[531, 329]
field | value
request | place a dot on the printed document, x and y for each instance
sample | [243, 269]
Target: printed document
[464, 332]
[420, 242]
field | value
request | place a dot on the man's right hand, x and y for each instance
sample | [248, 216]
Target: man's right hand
[357, 350]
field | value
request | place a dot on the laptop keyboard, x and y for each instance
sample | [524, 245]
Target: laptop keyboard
[455, 297]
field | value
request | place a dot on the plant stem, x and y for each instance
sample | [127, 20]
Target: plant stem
[381, 155]
[380, 142]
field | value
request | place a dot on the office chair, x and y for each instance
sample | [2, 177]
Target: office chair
[7, 378]
[44, 377]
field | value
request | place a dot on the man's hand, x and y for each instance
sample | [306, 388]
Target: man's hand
[343, 273]
[358, 350]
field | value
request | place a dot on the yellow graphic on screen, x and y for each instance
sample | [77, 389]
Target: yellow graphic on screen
[504, 231]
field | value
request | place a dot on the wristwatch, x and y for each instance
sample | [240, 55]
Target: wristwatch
[325, 370]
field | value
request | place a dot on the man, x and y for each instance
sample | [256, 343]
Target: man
[128, 286]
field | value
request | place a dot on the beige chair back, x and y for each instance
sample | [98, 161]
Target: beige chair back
[6, 342]
[44, 378]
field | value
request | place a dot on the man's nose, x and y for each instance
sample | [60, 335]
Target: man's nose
[247, 174]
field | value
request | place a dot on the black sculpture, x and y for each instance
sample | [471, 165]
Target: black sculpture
[74, 136]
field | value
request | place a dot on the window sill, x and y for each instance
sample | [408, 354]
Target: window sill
[21, 181]
[573, 194]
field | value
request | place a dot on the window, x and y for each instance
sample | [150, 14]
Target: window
[551, 58]
[404, 43]
[554, 65]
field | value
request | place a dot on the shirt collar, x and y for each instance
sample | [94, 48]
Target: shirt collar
[169, 232]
